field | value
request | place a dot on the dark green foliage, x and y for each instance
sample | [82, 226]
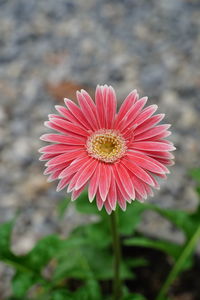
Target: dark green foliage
[86, 258]
[134, 297]
[165, 246]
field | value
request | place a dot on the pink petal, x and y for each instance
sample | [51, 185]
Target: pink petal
[86, 173]
[58, 148]
[55, 168]
[147, 162]
[133, 113]
[153, 146]
[74, 166]
[94, 183]
[125, 180]
[54, 116]
[152, 132]
[160, 136]
[149, 123]
[108, 207]
[112, 194]
[58, 138]
[76, 193]
[138, 197]
[69, 127]
[89, 100]
[54, 176]
[110, 109]
[158, 154]
[126, 105]
[156, 185]
[76, 176]
[87, 110]
[100, 107]
[139, 186]
[137, 171]
[46, 156]
[146, 114]
[166, 162]
[67, 114]
[77, 113]
[149, 190]
[104, 180]
[121, 199]
[99, 201]
[119, 184]
[70, 155]
[64, 182]
[55, 127]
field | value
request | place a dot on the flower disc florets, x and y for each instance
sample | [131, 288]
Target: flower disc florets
[106, 145]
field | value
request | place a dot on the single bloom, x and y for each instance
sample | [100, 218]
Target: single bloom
[118, 155]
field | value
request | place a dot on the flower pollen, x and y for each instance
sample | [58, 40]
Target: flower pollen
[106, 145]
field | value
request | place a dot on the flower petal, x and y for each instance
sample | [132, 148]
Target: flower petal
[147, 162]
[99, 201]
[149, 123]
[74, 166]
[104, 180]
[100, 107]
[126, 105]
[58, 148]
[153, 146]
[86, 174]
[63, 139]
[133, 113]
[69, 127]
[64, 182]
[152, 132]
[112, 194]
[110, 109]
[70, 155]
[146, 114]
[77, 113]
[137, 171]
[94, 183]
[87, 110]
[125, 180]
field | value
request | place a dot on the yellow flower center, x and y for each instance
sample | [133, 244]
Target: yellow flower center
[106, 145]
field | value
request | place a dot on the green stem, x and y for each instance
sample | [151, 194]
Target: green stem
[117, 284]
[179, 264]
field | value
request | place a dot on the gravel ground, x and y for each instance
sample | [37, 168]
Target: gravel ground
[50, 49]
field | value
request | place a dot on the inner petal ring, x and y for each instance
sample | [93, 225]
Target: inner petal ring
[106, 145]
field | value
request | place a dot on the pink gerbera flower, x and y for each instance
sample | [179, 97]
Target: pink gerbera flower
[119, 156]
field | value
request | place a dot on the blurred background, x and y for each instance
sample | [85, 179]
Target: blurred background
[48, 50]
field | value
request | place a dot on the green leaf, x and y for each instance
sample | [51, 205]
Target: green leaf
[21, 282]
[134, 297]
[137, 262]
[93, 289]
[83, 204]
[89, 291]
[5, 237]
[179, 266]
[62, 206]
[41, 254]
[101, 263]
[97, 234]
[173, 250]
[129, 219]
[195, 174]
[61, 295]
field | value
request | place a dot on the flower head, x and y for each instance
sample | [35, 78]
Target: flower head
[119, 156]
